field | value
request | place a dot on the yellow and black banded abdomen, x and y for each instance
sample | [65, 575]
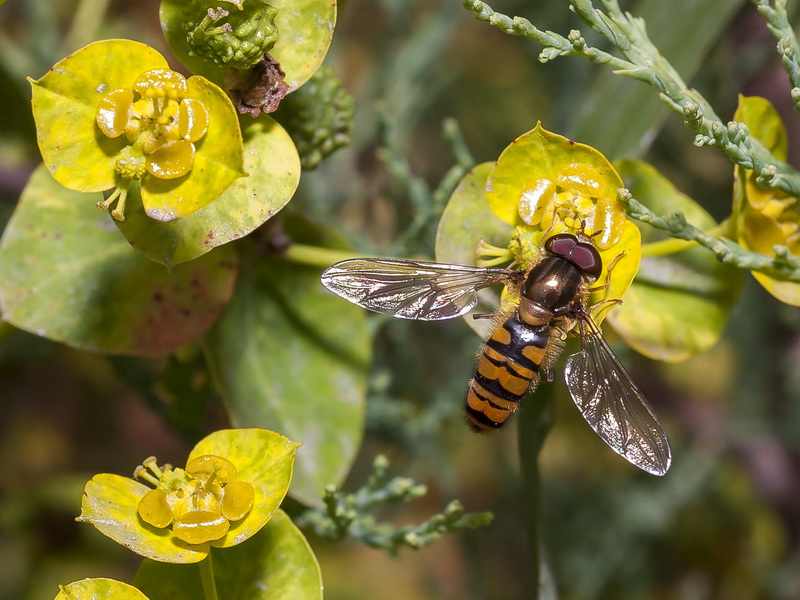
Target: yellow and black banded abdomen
[507, 366]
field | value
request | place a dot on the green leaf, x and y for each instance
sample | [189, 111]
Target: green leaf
[273, 165]
[110, 503]
[679, 303]
[99, 589]
[291, 357]
[66, 274]
[78, 155]
[217, 162]
[305, 29]
[275, 564]
[466, 220]
[263, 459]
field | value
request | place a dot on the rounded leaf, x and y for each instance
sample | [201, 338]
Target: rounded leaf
[305, 30]
[766, 217]
[99, 589]
[538, 166]
[217, 163]
[66, 274]
[679, 303]
[263, 459]
[275, 564]
[110, 503]
[273, 165]
[292, 357]
[65, 101]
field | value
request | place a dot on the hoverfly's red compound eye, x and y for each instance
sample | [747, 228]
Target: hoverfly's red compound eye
[582, 254]
[586, 257]
[561, 245]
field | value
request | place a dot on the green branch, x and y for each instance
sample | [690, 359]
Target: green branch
[642, 61]
[788, 47]
[782, 266]
[345, 516]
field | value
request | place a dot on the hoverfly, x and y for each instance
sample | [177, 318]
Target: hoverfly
[552, 299]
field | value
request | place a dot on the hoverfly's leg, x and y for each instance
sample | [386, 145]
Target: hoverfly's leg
[616, 301]
[547, 231]
[547, 374]
[477, 316]
[607, 282]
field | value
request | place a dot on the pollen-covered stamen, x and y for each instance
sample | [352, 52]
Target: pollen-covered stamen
[141, 472]
[119, 195]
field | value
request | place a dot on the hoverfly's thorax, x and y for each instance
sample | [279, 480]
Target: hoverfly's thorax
[551, 286]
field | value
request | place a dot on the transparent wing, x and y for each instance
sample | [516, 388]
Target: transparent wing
[613, 405]
[412, 289]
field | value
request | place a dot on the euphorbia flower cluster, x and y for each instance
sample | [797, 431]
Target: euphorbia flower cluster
[113, 114]
[233, 483]
[161, 122]
[199, 502]
[544, 184]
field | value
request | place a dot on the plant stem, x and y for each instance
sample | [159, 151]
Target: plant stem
[83, 29]
[784, 265]
[534, 423]
[673, 245]
[315, 256]
[207, 578]
[642, 61]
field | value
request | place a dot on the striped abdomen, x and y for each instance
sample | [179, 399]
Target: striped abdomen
[507, 367]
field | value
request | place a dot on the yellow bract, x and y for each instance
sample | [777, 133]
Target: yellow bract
[766, 217]
[544, 184]
[544, 180]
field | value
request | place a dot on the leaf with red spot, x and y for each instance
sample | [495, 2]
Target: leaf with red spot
[67, 275]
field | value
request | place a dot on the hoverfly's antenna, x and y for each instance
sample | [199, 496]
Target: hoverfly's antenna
[582, 230]
[596, 233]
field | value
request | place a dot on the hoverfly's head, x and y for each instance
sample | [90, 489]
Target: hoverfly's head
[577, 249]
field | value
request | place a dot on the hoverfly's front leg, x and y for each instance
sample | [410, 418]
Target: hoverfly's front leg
[607, 282]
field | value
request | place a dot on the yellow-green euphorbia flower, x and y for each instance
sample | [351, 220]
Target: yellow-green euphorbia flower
[544, 184]
[199, 503]
[113, 113]
[766, 217]
[233, 482]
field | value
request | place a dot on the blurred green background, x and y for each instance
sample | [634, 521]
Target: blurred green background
[723, 525]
